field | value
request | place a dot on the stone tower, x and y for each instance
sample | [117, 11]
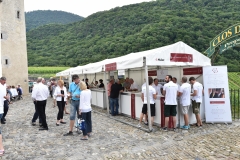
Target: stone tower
[13, 49]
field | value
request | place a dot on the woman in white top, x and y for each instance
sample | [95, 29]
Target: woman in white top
[60, 95]
[85, 109]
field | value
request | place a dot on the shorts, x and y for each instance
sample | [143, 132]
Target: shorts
[170, 110]
[184, 109]
[152, 106]
[74, 109]
[196, 107]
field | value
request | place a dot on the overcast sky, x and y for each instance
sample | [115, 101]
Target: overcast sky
[80, 7]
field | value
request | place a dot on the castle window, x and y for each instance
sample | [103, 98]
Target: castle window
[1, 36]
[6, 61]
[18, 14]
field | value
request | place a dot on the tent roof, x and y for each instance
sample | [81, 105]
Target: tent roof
[64, 73]
[174, 55]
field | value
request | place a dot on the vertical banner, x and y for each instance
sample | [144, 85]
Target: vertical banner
[216, 94]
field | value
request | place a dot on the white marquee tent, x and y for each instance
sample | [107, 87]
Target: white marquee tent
[177, 54]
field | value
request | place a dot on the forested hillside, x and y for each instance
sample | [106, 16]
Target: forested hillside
[38, 18]
[135, 28]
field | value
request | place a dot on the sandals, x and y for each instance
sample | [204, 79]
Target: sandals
[84, 138]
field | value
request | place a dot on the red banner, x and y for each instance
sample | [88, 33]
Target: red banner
[133, 106]
[152, 73]
[111, 67]
[181, 57]
[192, 71]
[217, 102]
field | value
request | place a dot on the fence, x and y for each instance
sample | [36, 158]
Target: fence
[235, 103]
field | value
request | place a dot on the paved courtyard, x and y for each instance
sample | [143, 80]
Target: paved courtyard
[112, 139]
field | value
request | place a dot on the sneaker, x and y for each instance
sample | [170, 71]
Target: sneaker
[188, 126]
[70, 133]
[165, 129]
[33, 123]
[185, 127]
[182, 127]
[146, 123]
[174, 129]
[139, 125]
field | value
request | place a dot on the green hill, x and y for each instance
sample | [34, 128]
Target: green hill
[38, 18]
[135, 28]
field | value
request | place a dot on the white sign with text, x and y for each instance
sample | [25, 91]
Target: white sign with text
[216, 94]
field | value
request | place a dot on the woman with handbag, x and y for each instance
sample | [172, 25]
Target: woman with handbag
[60, 95]
[85, 110]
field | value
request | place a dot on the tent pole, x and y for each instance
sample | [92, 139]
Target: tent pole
[148, 101]
[106, 92]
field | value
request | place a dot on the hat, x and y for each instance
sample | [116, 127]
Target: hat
[100, 80]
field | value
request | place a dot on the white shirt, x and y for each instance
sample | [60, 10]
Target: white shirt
[14, 92]
[85, 101]
[3, 93]
[158, 88]
[152, 91]
[198, 87]
[185, 89]
[40, 92]
[58, 91]
[171, 93]
[134, 86]
[144, 85]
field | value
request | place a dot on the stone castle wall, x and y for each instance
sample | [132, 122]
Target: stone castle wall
[13, 43]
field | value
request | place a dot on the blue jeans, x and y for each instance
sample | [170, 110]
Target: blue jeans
[36, 114]
[114, 103]
[87, 116]
[74, 110]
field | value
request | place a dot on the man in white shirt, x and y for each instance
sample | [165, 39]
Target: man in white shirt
[36, 114]
[170, 90]
[196, 99]
[152, 97]
[3, 99]
[157, 87]
[40, 94]
[134, 86]
[184, 94]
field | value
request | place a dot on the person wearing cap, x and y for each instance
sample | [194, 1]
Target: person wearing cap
[101, 83]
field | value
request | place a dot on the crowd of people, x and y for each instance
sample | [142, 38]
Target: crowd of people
[188, 94]
[80, 99]
[7, 94]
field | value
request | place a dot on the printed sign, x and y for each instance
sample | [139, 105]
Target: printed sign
[192, 71]
[152, 73]
[161, 73]
[216, 94]
[121, 72]
[111, 67]
[181, 57]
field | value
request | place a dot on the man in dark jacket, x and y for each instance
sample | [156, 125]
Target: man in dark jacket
[116, 88]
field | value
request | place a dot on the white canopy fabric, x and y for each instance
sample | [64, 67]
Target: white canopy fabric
[64, 73]
[177, 54]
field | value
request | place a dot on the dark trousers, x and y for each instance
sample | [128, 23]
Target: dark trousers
[61, 105]
[88, 121]
[114, 103]
[41, 105]
[36, 114]
[5, 109]
[51, 94]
